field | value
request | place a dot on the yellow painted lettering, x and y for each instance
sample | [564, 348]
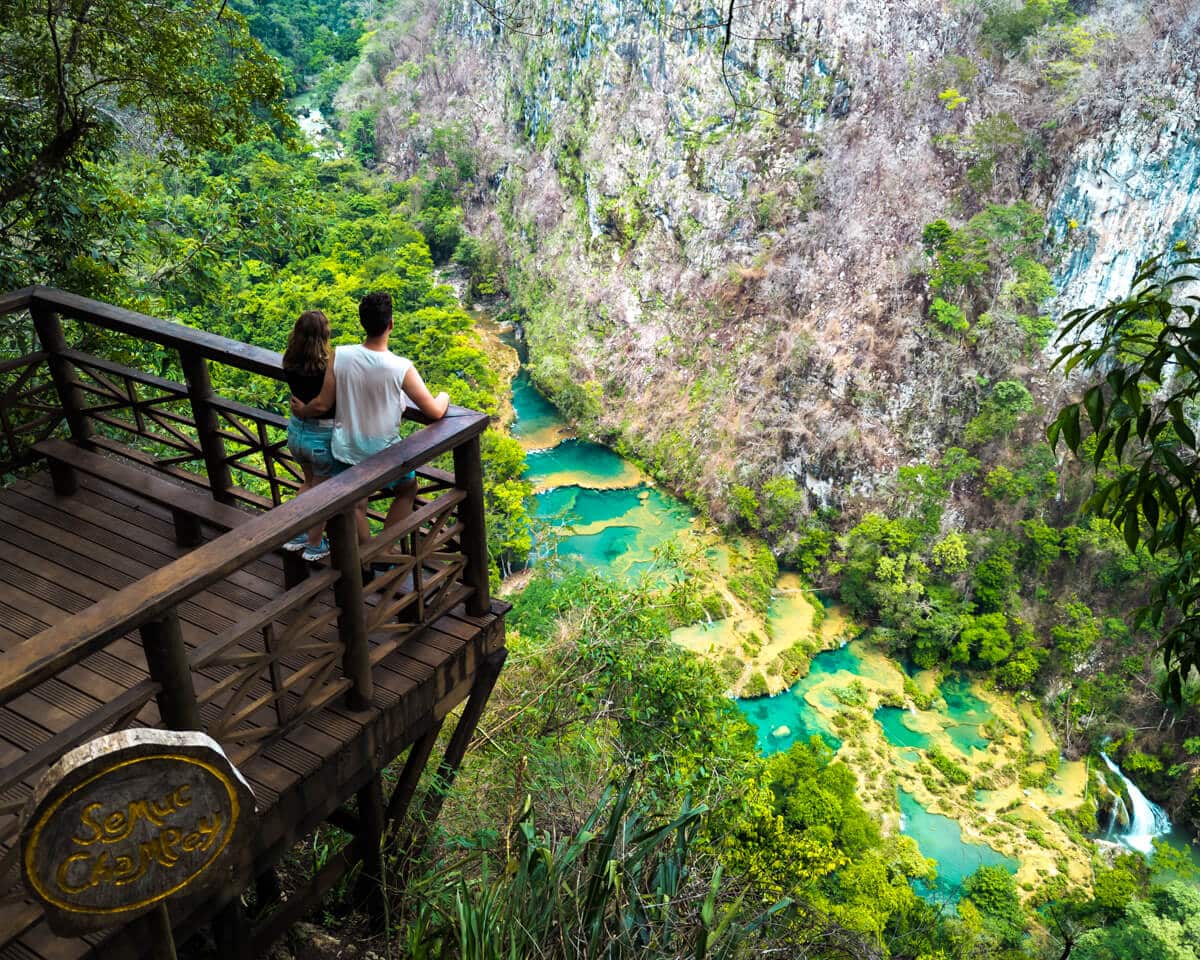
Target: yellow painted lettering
[88, 819]
[169, 840]
[62, 874]
[117, 826]
[101, 871]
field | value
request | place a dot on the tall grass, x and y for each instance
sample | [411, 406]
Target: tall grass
[619, 887]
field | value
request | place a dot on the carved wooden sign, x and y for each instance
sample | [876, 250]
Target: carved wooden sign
[128, 821]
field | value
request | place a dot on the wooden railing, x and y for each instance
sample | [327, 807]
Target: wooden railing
[318, 640]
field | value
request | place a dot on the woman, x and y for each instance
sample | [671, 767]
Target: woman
[304, 362]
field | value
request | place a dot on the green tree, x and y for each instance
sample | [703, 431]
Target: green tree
[994, 581]
[993, 892]
[1000, 412]
[782, 503]
[1043, 545]
[744, 503]
[360, 131]
[71, 73]
[988, 637]
[1077, 633]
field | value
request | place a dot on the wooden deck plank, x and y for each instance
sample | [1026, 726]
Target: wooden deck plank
[152, 519]
[105, 566]
[116, 552]
[95, 502]
[87, 506]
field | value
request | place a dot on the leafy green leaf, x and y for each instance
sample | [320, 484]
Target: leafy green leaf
[1070, 426]
[1131, 531]
[1093, 401]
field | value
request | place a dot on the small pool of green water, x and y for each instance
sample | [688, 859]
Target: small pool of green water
[537, 419]
[965, 713]
[771, 714]
[895, 722]
[580, 463]
[616, 531]
[941, 839]
[789, 709]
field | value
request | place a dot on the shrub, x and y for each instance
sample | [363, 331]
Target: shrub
[948, 315]
[1009, 24]
[1000, 412]
[756, 685]
[953, 772]
[744, 504]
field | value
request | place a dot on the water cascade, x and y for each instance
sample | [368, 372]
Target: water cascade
[1146, 820]
[1117, 816]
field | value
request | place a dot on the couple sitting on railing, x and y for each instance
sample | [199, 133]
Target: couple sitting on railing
[347, 405]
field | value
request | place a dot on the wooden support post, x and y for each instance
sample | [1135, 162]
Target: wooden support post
[187, 528]
[370, 842]
[163, 937]
[468, 477]
[200, 392]
[295, 570]
[63, 478]
[166, 658]
[481, 690]
[406, 786]
[232, 933]
[62, 371]
[267, 890]
[352, 619]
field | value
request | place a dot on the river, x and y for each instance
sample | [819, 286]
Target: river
[615, 518]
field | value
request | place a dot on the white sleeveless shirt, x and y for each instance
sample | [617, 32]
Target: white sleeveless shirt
[370, 401]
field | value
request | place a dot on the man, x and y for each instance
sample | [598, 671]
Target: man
[370, 385]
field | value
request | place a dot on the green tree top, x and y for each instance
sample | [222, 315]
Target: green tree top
[69, 68]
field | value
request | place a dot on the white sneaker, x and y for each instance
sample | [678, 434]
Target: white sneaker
[297, 543]
[319, 552]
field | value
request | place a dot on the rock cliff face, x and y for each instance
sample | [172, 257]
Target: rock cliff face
[716, 228]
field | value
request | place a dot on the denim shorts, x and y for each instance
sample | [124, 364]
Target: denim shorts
[339, 467]
[310, 442]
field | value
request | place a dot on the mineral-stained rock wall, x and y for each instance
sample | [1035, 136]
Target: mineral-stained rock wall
[716, 228]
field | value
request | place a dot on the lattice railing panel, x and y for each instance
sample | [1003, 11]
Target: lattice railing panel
[29, 407]
[142, 411]
[256, 450]
[271, 671]
[418, 569]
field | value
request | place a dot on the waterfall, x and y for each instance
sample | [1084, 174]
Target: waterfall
[1146, 820]
[1117, 815]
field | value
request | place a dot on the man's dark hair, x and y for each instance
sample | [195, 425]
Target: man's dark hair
[375, 312]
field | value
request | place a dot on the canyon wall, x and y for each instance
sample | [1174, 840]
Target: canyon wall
[715, 228]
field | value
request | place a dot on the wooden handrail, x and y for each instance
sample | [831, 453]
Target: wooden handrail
[16, 300]
[43, 655]
[212, 346]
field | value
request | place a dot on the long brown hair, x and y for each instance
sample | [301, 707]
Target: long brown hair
[308, 345]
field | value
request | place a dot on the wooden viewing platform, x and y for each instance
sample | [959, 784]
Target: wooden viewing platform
[142, 584]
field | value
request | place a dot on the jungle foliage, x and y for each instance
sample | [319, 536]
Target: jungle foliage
[79, 79]
[625, 795]
[229, 227]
